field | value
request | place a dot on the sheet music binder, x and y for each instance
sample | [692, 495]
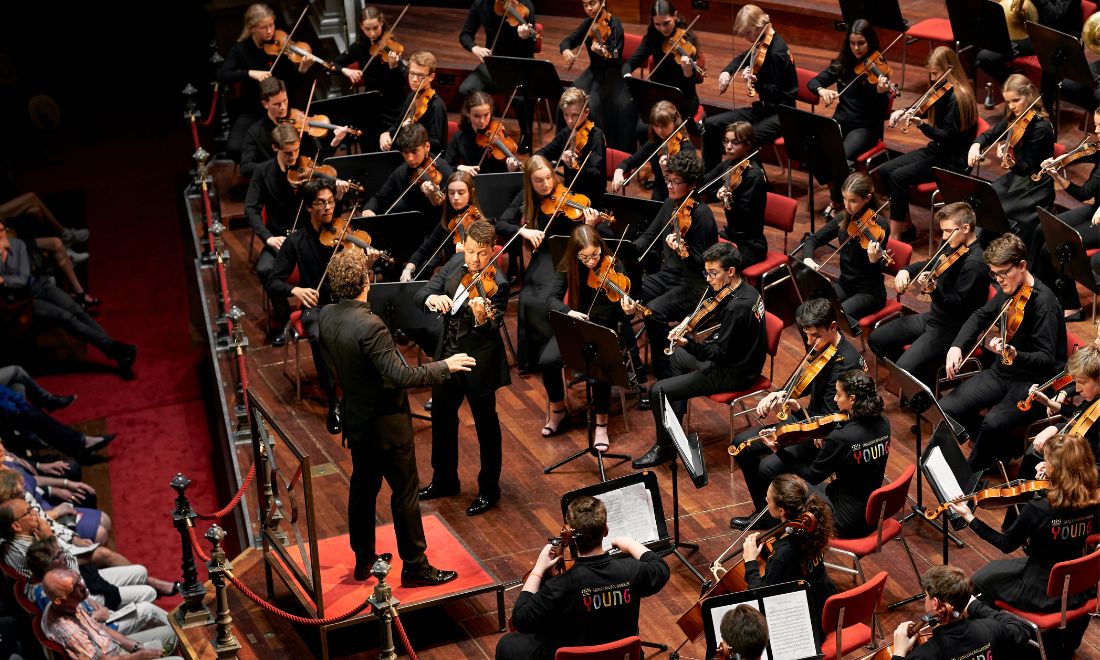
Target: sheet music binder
[715, 607]
[663, 543]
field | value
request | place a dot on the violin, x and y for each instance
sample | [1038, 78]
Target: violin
[943, 264]
[994, 498]
[1088, 147]
[433, 176]
[1008, 319]
[924, 103]
[1083, 421]
[793, 433]
[571, 205]
[318, 125]
[812, 364]
[419, 105]
[672, 144]
[386, 44]
[864, 229]
[305, 169]
[340, 232]
[296, 51]
[580, 139]
[1018, 128]
[615, 285]
[928, 621]
[759, 52]
[484, 283]
[682, 224]
[496, 141]
[515, 14]
[1058, 382]
[702, 310]
[678, 45]
[600, 31]
[733, 580]
[458, 224]
[735, 175]
[873, 67]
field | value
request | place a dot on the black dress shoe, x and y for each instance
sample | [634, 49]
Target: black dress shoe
[277, 337]
[428, 404]
[481, 504]
[429, 577]
[766, 521]
[524, 145]
[434, 491]
[656, 455]
[643, 400]
[333, 419]
[124, 355]
[53, 402]
[102, 444]
[1079, 315]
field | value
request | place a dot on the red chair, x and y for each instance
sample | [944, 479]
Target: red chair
[628, 648]
[803, 94]
[773, 329]
[294, 334]
[843, 616]
[903, 255]
[1067, 578]
[779, 213]
[53, 649]
[538, 37]
[932, 30]
[452, 128]
[613, 158]
[884, 503]
[630, 44]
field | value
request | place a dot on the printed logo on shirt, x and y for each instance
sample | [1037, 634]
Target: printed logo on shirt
[1073, 528]
[981, 653]
[873, 450]
[612, 595]
[758, 309]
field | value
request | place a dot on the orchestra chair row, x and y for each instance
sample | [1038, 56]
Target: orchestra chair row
[628, 648]
[843, 616]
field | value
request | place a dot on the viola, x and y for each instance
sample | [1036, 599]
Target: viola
[733, 580]
[793, 433]
[433, 176]
[1008, 319]
[677, 44]
[1088, 147]
[924, 103]
[864, 229]
[571, 205]
[496, 141]
[484, 283]
[515, 14]
[615, 285]
[994, 498]
[672, 143]
[580, 139]
[305, 169]
[318, 125]
[341, 232]
[703, 310]
[461, 222]
[759, 52]
[873, 67]
[296, 51]
[812, 364]
[1058, 382]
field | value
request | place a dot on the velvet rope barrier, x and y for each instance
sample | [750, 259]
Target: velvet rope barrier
[218, 515]
[213, 106]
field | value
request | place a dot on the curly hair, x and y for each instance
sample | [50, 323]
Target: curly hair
[1072, 468]
[793, 494]
[687, 165]
[347, 274]
[860, 385]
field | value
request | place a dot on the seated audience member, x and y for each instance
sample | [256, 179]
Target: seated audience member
[86, 521]
[16, 377]
[30, 428]
[744, 633]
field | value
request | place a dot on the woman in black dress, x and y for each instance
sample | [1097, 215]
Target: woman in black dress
[664, 119]
[745, 204]
[384, 74]
[464, 153]
[681, 72]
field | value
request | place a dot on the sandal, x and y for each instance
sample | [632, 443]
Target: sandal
[601, 444]
[551, 429]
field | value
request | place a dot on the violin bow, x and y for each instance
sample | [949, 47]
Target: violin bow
[447, 238]
[1010, 126]
[603, 5]
[727, 171]
[603, 278]
[305, 117]
[301, 204]
[716, 565]
[658, 149]
[339, 243]
[419, 178]
[882, 53]
[572, 134]
[845, 241]
[569, 189]
[750, 51]
[408, 110]
[931, 88]
[675, 214]
[932, 260]
[673, 46]
[386, 36]
[474, 280]
[500, 127]
[288, 36]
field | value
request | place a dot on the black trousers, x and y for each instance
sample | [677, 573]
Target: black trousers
[550, 363]
[909, 169]
[238, 131]
[857, 140]
[759, 466]
[533, 314]
[397, 465]
[310, 318]
[928, 345]
[689, 379]
[671, 300]
[860, 304]
[480, 79]
[446, 400]
[52, 306]
[280, 307]
[32, 423]
[997, 435]
[765, 126]
[999, 65]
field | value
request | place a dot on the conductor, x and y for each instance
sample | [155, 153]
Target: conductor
[376, 419]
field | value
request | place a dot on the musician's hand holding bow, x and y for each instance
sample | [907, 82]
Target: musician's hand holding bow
[308, 297]
[438, 303]
[768, 403]
[617, 181]
[259, 75]
[901, 281]
[407, 273]
[353, 75]
[687, 65]
[954, 361]
[569, 57]
[481, 52]
[670, 240]
[898, 115]
[903, 643]
[811, 263]
[1052, 405]
[829, 96]
[724, 79]
[385, 141]
[524, 31]
[974, 155]
[532, 236]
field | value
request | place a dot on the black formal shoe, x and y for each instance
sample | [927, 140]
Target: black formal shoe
[429, 577]
[102, 444]
[434, 491]
[481, 504]
[643, 400]
[332, 421]
[277, 337]
[656, 455]
[1079, 315]
[524, 145]
[124, 355]
[53, 402]
[766, 521]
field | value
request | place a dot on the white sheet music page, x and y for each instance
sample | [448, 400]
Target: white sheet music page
[629, 513]
[941, 473]
[677, 433]
[716, 614]
[790, 626]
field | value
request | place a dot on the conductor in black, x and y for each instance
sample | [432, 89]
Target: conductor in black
[471, 325]
[594, 602]
[376, 419]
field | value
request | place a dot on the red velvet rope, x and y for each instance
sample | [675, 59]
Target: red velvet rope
[195, 133]
[404, 637]
[218, 515]
[293, 617]
[195, 544]
[213, 105]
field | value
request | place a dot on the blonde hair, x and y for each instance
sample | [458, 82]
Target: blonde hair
[944, 59]
[1085, 362]
[253, 15]
[750, 16]
[1019, 84]
[423, 58]
[572, 96]
[530, 203]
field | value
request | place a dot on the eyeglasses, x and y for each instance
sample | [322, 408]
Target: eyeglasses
[590, 257]
[673, 182]
[31, 511]
[1002, 274]
[732, 142]
[325, 205]
[711, 274]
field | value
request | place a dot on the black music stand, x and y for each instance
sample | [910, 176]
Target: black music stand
[978, 194]
[647, 93]
[362, 111]
[810, 284]
[801, 643]
[690, 451]
[883, 14]
[948, 474]
[916, 396]
[1062, 57]
[400, 234]
[537, 80]
[370, 170]
[593, 351]
[979, 23]
[632, 214]
[495, 192]
[394, 303]
[816, 141]
[1067, 251]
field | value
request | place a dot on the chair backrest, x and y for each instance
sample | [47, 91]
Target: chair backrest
[612, 158]
[630, 44]
[773, 329]
[779, 212]
[1074, 576]
[1060, 149]
[452, 128]
[1073, 342]
[903, 254]
[804, 94]
[888, 500]
[983, 125]
[1087, 9]
[847, 608]
[628, 648]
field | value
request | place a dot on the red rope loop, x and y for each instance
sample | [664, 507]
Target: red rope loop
[218, 515]
[195, 134]
[195, 545]
[404, 637]
[213, 105]
[293, 617]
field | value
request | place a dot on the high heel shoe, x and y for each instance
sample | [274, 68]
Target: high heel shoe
[551, 429]
[601, 444]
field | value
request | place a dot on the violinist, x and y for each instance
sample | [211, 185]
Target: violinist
[726, 361]
[863, 106]
[664, 119]
[424, 194]
[471, 326]
[679, 71]
[1055, 528]
[860, 286]
[609, 101]
[304, 252]
[744, 632]
[950, 123]
[962, 625]
[247, 64]
[1032, 142]
[744, 204]
[560, 610]
[535, 206]
[384, 73]
[798, 556]
[461, 206]
[671, 293]
[579, 138]
[422, 106]
[816, 320]
[504, 36]
[271, 195]
[585, 256]
[476, 124]
[769, 69]
[257, 144]
[1035, 348]
[956, 291]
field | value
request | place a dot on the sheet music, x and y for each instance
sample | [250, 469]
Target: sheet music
[942, 475]
[790, 627]
[716, 615]
[629, 513]
[677, 433]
